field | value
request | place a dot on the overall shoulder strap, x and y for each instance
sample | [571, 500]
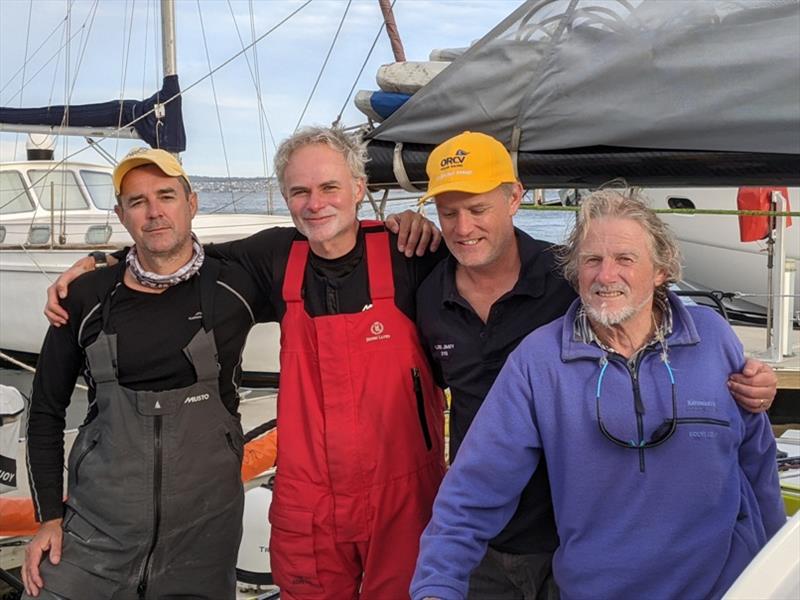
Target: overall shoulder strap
[295, 272]
[379, 261]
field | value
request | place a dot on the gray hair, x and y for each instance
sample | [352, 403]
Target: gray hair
[630, 204]
[351, 147]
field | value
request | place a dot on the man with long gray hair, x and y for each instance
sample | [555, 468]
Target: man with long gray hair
[662, 486]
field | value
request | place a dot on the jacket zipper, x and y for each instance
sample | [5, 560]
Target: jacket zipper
[81, 457]
[638, 407]
[423, 421]
[144, 573]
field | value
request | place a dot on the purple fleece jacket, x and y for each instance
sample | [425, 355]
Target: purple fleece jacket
[678, 520]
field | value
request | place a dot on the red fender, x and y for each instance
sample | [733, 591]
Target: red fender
[752, 228]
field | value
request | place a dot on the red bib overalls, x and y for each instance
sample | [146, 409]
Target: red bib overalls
[360, 457]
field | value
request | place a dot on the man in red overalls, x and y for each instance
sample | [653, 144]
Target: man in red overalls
[361, 457]
[361, 419]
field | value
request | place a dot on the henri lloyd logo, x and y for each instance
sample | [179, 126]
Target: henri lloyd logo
[199, 398]
[376, 329]
[454, 161]
[8, 471]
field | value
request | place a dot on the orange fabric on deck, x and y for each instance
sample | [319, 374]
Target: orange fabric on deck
[259, 455]
[18, 518]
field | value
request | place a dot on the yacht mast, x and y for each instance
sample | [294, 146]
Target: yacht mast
[391, 30]
[168, 54]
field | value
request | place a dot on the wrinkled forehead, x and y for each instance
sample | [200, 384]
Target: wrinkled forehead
[612, 236]
[314, 165]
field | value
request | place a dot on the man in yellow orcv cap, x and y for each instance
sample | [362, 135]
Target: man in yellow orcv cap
[475, 308]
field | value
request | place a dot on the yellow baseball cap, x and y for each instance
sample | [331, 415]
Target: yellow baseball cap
[470, 162]
[148, 156]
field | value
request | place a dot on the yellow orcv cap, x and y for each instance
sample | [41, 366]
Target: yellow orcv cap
[474, 163]
[148, 156]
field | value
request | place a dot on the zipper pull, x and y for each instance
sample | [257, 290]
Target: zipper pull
[637, 396]
[416, 380]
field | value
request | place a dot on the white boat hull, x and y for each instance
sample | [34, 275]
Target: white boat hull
[713, 256]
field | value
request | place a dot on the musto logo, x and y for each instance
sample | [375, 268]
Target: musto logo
[454, 161]
[376, 329]
[199, 398]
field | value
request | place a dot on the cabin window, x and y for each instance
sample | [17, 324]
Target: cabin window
[38, 235]
[678, 202]
[66, 192]
[101, 189]
[14, 197]
[98, 234]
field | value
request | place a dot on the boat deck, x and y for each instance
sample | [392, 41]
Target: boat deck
[787, 369]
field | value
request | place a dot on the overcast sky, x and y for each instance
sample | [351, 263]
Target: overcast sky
[289, 62]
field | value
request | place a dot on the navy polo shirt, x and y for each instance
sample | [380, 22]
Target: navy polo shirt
[467, 355]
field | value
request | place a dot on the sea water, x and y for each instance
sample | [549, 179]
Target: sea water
[551, 226]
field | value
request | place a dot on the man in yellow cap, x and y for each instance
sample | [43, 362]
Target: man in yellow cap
[475, 308]
[155, 499]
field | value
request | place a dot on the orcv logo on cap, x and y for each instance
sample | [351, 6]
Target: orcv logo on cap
[456, 160]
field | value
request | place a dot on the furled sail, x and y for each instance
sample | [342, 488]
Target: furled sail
[161, 128]
[662, 93]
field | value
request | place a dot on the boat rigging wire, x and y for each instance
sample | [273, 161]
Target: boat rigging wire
[84, 43]
[126, 47]
[56, 54]
[261, 114]
[324, 64]
[216, 103]
[255, 77]
[682, 211]
[360, 71]
[64, 36]
[32, 56]
[24, 62]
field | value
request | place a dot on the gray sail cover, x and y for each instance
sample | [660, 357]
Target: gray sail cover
[659, 74]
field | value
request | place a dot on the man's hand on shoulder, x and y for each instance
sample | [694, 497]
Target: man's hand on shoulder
[47, 540]
[755, 387]
[415, 233]
[55, 313]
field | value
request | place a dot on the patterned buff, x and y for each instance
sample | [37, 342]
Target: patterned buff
[154, 280]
